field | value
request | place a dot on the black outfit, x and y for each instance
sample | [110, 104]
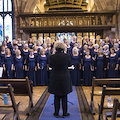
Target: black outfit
[60, 83]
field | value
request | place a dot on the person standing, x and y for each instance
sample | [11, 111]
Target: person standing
[87, 69]
[112, 64]
[8, 64]
[60, 83]
[76, 61]
[42, 68]
[32, 67]
[100, 64]
[18, 63]
[25, 54]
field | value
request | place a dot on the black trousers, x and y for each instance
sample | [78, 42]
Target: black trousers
[57, 104]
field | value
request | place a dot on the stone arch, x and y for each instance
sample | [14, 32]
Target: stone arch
[30, 5]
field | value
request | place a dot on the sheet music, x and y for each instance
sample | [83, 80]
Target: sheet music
[71, 67]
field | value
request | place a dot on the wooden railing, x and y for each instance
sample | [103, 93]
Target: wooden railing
[71, 19]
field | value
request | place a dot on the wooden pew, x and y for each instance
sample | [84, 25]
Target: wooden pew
[106, 91]
[21, 82]
[14, 105]
[103, 81]
[114, 113]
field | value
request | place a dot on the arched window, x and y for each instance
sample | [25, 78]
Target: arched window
[6, 19]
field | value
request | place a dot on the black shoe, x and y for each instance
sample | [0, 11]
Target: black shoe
[56, 115]
[65, 115]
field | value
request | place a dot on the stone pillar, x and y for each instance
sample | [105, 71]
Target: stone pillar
[17, 26]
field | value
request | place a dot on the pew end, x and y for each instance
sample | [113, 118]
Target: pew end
[28, 92]
[8, 89]
[95, 83]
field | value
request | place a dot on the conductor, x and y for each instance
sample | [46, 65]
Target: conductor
[60, 83]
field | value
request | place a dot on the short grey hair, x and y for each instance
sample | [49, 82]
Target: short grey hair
[59, 45]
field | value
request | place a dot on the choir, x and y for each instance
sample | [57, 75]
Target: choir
[30, 59]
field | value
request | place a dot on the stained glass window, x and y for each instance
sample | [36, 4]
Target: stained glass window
[1, 5]
[6, 19]
[8, 26]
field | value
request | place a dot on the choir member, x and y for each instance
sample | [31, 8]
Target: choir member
[18, 63]
[106, 50]
[14, 43]
[32, 67]
[30, 43]
[114, 41]
[8, 64]
[48, 49]
[101, 44]
[56, 38]
[85, 47]
[95, 51]
[94, 55]
[116, 48]
[76, 61]
[42, 66]
[4, 43]
[15, 48]
[100, 64]
[75, 45]
[80, 48]
[2, 55]
[25, 54]
[64, 40]
[48, 40]
[112, 64]
[45, 48]
[9, 45]
[86, 41]
[20, 45]
[73, 41]
[107, 42]
[39, 45]
[119, 42]
[69, 48]
[35, 48]
[87, 69]
[90, 47]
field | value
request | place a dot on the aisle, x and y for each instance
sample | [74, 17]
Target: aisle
[72, 109]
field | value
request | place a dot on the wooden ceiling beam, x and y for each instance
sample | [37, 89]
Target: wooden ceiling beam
[66, 5]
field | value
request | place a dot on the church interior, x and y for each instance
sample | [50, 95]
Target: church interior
[30, 28]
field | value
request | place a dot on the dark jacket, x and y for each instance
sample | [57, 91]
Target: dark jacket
[60, 82]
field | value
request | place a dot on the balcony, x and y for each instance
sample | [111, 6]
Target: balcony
[67, 21]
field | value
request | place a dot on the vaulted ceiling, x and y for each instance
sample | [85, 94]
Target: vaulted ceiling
[38, 6]
[66, 4]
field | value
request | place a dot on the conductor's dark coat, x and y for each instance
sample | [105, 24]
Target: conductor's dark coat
[60, 82]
